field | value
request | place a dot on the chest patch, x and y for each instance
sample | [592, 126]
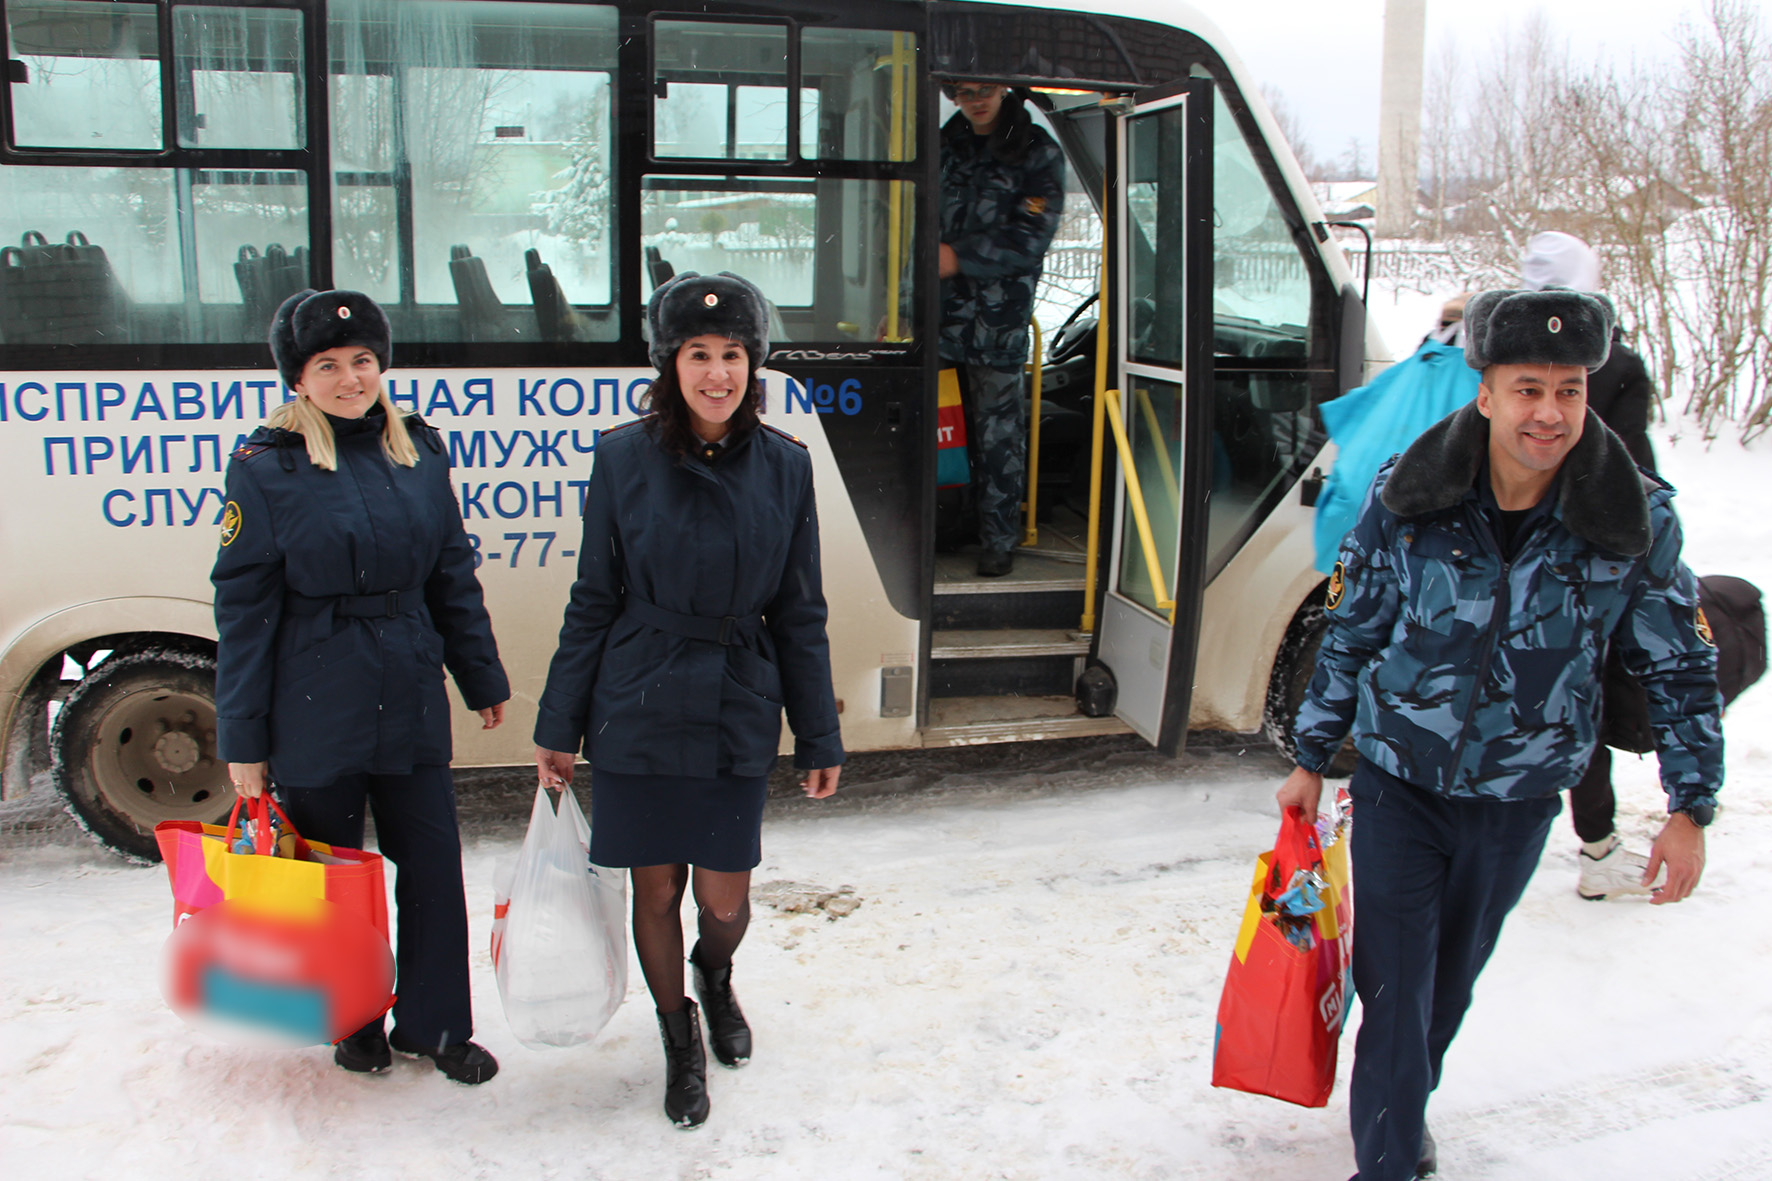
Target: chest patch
[1034, 206]
[1337, 587]
[1703, 626]
[230, 523]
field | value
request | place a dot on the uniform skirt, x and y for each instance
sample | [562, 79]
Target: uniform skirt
[714, 823]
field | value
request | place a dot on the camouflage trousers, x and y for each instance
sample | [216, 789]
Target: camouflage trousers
[997, 439]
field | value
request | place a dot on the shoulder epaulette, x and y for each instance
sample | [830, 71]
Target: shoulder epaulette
[248, 450]
[795, 439]
[621, 426]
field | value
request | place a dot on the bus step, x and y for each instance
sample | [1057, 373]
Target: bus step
[984, 644]
[974, 721]
[1042, 609]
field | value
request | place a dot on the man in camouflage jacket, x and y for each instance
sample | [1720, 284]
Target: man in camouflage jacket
[1469, 618]
[1002, 190]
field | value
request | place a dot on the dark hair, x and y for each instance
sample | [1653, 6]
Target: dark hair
[674, 427]
[1013, 136]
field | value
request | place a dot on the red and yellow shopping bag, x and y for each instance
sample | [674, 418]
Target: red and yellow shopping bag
[952, 469]
[1285, 996]
[272, 930]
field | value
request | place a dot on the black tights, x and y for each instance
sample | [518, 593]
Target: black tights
[722, 912]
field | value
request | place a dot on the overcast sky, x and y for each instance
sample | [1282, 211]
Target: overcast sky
[1325, 57]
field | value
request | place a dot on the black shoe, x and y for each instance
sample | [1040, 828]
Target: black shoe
[728, 1032]
[995, 563]
[366, 1051]
[1428, 1164]
[686, 1067]
[463, 1062]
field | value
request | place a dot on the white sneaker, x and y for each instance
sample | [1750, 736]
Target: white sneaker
[1609, 870]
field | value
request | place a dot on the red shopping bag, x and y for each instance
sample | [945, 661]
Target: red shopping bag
[272, 931]
[1285, 996]
[952, 469]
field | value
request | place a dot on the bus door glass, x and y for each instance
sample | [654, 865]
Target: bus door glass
[1149, 615]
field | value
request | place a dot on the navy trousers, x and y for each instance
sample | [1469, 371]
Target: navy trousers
[415, 826]
[1433, 879]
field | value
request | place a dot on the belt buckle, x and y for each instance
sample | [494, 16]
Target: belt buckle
[728, 624]
[393, 604]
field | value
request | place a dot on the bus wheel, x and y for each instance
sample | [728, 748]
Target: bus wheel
[1292, 676]
[134, 744]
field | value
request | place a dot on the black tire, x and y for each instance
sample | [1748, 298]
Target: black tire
[1293, 667]
[134, 744]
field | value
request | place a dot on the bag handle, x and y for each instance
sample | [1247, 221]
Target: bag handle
[258, 810]
[76, 238]
[33, 238]
[1296, 847]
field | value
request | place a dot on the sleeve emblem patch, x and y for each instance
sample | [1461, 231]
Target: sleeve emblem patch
[1337, 587]
[1703, 626]
[230, 523]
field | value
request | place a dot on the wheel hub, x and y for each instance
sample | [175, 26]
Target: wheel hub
[177, 752]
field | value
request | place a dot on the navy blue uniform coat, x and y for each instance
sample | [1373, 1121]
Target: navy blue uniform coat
[736, 536]
[318, 694]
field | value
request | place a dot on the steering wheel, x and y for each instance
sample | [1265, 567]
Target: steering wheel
[1067, 344]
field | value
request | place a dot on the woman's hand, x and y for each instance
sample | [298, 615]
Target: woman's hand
[821, 783]
[554, 767]
[249, 779]
[491, 716]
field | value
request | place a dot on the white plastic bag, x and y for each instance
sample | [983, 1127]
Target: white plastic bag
[559, 931]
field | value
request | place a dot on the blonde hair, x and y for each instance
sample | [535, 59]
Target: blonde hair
[308, 421]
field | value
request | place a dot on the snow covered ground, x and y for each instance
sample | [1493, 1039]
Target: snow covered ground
[1026, 990]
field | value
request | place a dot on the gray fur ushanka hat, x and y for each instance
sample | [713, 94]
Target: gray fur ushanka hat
[312, 321]
[1550, 327]
[691, 305]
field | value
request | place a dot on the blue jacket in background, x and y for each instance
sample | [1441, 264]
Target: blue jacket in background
[1468, 674]
[1377, 421]
[316, 692]
[731, 535]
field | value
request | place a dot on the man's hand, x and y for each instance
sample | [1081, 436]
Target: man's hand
[249, 779]
[950, 262]
[491, 716]
[1680, 847]
[1302, 789]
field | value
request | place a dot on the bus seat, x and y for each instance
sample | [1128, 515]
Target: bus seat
[483, 315]
[657, 269]
[59, 293]
[265, 282]
[554, 313]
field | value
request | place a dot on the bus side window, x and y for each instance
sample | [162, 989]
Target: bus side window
[1261, 311]
[503, 118]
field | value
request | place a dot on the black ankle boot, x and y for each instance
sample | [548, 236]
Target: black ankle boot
[1429, 1163]
[728, 1032]
[366, 1051]
[686, 1067]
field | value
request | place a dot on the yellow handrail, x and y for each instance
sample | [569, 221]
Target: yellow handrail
[1135, 498]
[1093, 548]
[1031, 530]
[899, 62]
[1163, 465]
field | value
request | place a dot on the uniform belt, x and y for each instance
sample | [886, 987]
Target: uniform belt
[386, 604]
[724, 629]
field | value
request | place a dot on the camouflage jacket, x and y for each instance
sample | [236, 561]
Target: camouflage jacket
[1470, 675]
[999, 218]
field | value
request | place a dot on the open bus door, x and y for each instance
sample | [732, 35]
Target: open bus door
[1157, 409]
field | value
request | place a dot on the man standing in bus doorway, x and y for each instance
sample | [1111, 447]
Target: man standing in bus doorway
[1002, 190]
[1469, 618]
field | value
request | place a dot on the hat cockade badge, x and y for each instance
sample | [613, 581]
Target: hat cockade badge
[710, 299]
[1555, 324]
[344, 313]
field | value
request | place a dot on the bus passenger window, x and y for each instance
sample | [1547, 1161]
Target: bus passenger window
[239, 74]
[857, 98]
[820, 250]
[503, 118]
[1263, 423]
[87, 67]
[720, 91]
